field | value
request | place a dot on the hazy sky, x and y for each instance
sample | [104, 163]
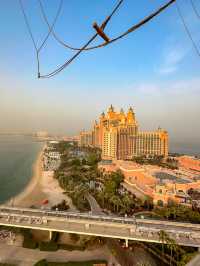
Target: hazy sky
[155, 69]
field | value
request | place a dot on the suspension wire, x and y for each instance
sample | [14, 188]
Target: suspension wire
[187, 30]
[104, 24]
[52, 26]
[133, 28]
[55, 72]
[31, 36]
[58, 39]
[27, 24]
[195, 9]
[37, 50]
[138, 25]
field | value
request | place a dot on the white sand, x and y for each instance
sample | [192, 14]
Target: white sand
[42, 186]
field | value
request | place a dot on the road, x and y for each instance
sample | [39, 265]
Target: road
[95, 208]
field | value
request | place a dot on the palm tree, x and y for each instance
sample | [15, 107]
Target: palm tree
[116, 202]
[101, 196]
[163, 239]
[126, 201]
[171, 244]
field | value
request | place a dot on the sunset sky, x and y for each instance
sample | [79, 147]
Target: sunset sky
[156, 69]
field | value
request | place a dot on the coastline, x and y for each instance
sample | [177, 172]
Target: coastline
[26, 197]
[42, 186]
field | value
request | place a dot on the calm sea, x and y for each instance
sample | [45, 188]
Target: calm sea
[185, 148]
[17, 156]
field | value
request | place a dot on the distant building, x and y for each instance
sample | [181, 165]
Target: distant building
[42, 134]
[85, 139]
[71, 139]
[118, 135]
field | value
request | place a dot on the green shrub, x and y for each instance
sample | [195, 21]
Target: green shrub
[71, 247]
[28, 242]
[41, 263]
[74, 237]
[48, 246]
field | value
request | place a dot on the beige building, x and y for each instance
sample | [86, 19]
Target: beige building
[109, 148]
[85, 139]
[152, 143]
[118, 135]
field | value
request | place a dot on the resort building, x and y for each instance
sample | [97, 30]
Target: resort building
[117, 135]
[189, 163]
[142, 181]
[152, 143]
[85, 139]
[109, 145]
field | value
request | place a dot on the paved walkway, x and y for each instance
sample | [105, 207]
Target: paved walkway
[95, 208]
[27, 257]
[195, 261]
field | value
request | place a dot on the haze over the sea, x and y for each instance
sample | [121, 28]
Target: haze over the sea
[17, 156]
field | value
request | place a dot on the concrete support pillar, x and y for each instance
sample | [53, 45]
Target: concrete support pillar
[87, 226]
[126, 243]
[50, 235]
[132, 231]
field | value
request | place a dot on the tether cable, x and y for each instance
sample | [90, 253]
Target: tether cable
[104, 24]
[133, 28]
[195, 9]
[37, 50]
[85, 47]
[130, 30]
[58, 39]
[52, 26]
[28, 25]
[187, 30]
[31, 36]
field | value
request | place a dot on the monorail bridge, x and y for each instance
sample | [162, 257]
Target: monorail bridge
[186, 234]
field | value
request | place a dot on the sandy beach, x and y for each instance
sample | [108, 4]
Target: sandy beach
[42, 186]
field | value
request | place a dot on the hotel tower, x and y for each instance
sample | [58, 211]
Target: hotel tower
[117, 135]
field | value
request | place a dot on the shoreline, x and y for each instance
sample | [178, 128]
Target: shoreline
[22, 198]
[42, 186]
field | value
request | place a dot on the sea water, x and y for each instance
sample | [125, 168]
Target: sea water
[17, 156]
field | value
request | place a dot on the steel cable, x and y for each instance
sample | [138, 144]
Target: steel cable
[52, 26]
[195, 9]
[104, 24]
[130, 30]
[37, 50]
[85, 47]
[187, 30]
[133, 28]
[58, 39]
